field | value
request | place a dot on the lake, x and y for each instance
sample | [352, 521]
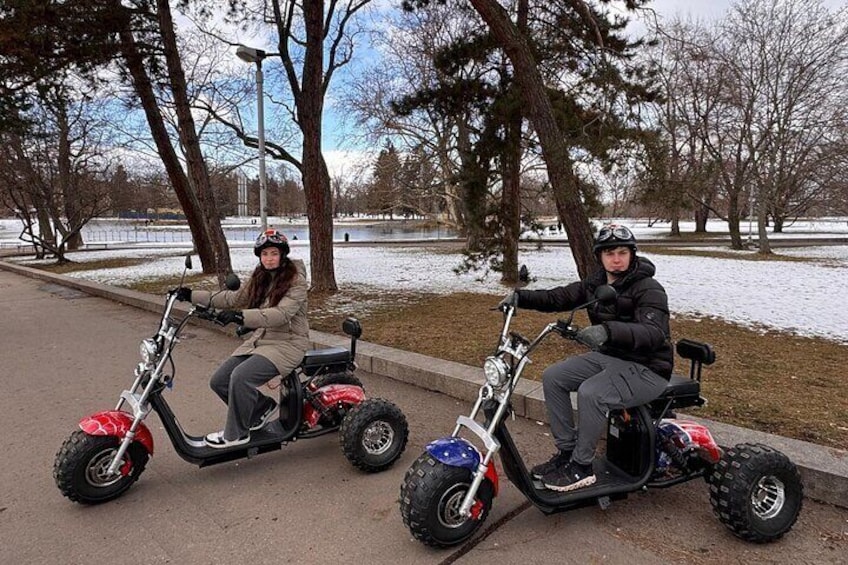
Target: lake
[109, 230]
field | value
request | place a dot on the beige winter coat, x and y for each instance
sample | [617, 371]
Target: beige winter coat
[282, 331]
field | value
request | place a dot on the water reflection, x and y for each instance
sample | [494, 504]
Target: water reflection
[111, 231]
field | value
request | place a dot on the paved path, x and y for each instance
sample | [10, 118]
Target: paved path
[66, 354]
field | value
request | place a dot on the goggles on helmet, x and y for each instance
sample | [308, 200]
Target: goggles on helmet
[616, 231]
[270, 236]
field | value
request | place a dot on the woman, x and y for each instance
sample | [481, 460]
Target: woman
[274, 303]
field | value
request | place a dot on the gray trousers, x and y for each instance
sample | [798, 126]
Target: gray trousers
[235, 382]
[602, 383]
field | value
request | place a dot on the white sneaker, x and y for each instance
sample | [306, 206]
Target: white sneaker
[216, 440]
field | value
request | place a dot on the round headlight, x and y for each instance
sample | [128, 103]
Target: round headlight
[148, 349]
[496, 371]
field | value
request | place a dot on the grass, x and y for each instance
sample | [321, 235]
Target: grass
[762, 379]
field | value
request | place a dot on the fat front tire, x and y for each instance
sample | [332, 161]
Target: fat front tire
[373, 435]
[756, 492]
[346, 378]
[430, 498]
[81, 463]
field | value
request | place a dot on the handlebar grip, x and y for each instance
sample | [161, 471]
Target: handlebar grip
[205, 312]
[566, 330]
[242, 331]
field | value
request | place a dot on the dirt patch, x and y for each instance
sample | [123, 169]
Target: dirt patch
[764, 380]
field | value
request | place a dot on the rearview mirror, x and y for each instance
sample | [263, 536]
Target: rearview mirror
[605, 294]
[188, 261]
[232, 282]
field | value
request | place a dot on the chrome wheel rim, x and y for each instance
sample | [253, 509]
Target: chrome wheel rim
[378, 437]
[449, 505]
[97, 474]
[768, 497]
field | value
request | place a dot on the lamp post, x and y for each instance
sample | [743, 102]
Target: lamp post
[251, 55]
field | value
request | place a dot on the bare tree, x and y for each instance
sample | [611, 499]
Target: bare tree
[52, 174]
[314, 39]
[680, 172]
[408, 46]
[774, 75]
[88, 34]
[804, 49]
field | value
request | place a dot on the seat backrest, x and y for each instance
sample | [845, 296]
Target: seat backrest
[696, 351]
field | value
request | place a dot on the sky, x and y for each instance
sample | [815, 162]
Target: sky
[709, 9]
[785, 295]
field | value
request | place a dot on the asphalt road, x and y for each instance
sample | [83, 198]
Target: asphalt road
[66, 354]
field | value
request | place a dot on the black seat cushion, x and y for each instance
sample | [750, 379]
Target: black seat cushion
[679, 385]
[333, 357]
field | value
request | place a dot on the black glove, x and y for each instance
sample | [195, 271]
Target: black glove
[593, 336]
[230, 316]
[184, 294]
[510, 299]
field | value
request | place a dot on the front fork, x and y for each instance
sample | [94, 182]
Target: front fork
[140, 408]
[486, 435]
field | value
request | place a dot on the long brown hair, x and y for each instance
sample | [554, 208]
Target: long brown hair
[264, 284]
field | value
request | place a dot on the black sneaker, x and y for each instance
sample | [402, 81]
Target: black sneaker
[559, 459]
[569, 477]
[264, 417]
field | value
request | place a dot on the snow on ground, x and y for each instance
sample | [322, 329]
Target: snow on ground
[788, 295]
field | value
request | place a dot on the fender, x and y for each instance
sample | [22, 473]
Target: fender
[331, 396]
[116, 423]
[459, 452]
[695, 434]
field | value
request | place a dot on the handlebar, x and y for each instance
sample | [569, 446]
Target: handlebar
[208, 313]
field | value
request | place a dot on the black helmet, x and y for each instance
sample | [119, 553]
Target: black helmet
[614, 235]
[271, 238]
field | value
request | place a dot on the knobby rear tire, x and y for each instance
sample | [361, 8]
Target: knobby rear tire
[373, 435]
[756, 491]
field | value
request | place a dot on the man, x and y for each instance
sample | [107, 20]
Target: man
[630, 362]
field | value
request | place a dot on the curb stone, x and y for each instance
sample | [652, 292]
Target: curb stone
[824, 470]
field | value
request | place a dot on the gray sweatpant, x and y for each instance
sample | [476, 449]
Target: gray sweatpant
[235, 382]
[602, 383]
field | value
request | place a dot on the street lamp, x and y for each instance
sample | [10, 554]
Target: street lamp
[251, 55]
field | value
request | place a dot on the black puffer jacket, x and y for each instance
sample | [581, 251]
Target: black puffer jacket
[637, 322]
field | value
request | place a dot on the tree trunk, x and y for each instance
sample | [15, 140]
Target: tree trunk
[66, 182]
[675, 224]
[473, 188]
[173, 168]
[316, 178]
[702, 214]
[511, 159]
[733, 220]
[511, 198]
[554, 150]
[511, 217]
[762, 223]
[197, 172]
[451, 198]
